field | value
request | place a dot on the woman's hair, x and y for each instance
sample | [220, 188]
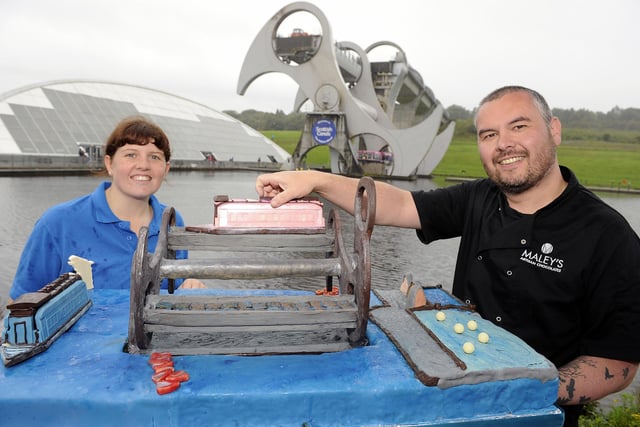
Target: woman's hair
[137, 130]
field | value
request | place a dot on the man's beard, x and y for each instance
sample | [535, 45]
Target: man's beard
[536, 172]
[514, 187]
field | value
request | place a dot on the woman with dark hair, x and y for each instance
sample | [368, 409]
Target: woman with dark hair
[103, 226]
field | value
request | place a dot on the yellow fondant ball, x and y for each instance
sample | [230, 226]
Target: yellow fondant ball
[458, 328]
[472, 325]
[468, 347]
[440, 316]
[483, 337]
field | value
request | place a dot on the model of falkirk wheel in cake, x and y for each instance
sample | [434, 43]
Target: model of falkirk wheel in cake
[377, 118]
[253, 323]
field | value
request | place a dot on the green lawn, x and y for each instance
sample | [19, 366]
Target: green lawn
[596, 163]
[288, 139]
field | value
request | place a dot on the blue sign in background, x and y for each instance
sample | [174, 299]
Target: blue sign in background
[323, 131]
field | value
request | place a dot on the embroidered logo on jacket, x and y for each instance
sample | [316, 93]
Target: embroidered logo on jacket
[543, 259]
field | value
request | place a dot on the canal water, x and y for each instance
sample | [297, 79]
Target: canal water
[394, 252]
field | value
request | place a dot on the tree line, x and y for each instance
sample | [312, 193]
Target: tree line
[616, 119]
[261, 121]
[619, 124]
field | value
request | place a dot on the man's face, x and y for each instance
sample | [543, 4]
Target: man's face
[517, 148]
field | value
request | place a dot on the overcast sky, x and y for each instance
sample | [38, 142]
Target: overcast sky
[577, 53]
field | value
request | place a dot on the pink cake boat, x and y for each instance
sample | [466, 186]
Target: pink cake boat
[238, 216]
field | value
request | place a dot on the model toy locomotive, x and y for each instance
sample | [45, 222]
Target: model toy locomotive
[36, 319]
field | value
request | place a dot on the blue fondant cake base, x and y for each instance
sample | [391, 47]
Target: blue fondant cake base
[86, 379]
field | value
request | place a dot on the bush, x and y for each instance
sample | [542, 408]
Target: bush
[624, 413]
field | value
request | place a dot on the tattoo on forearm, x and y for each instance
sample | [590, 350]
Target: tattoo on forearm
[575, 369]
[571, 388]
[568, 375]
[607, 374]
[584, 399]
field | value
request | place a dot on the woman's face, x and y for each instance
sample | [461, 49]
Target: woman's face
[137, 171]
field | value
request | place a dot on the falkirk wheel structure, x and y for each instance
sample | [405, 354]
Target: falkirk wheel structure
[377, 118]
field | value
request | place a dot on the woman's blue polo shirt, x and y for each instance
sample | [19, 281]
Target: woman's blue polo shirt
[85, 227]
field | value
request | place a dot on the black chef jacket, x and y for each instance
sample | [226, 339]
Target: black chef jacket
[565, 279]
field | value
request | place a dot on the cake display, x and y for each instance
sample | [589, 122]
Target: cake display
[413, 356]
[86, 379]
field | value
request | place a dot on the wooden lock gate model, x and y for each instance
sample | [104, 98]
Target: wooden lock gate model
[253, 323]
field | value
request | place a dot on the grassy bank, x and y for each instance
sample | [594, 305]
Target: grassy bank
[596, 163]
[288, 139]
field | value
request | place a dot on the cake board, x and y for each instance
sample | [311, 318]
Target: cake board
[436, 351]
[86, 379]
